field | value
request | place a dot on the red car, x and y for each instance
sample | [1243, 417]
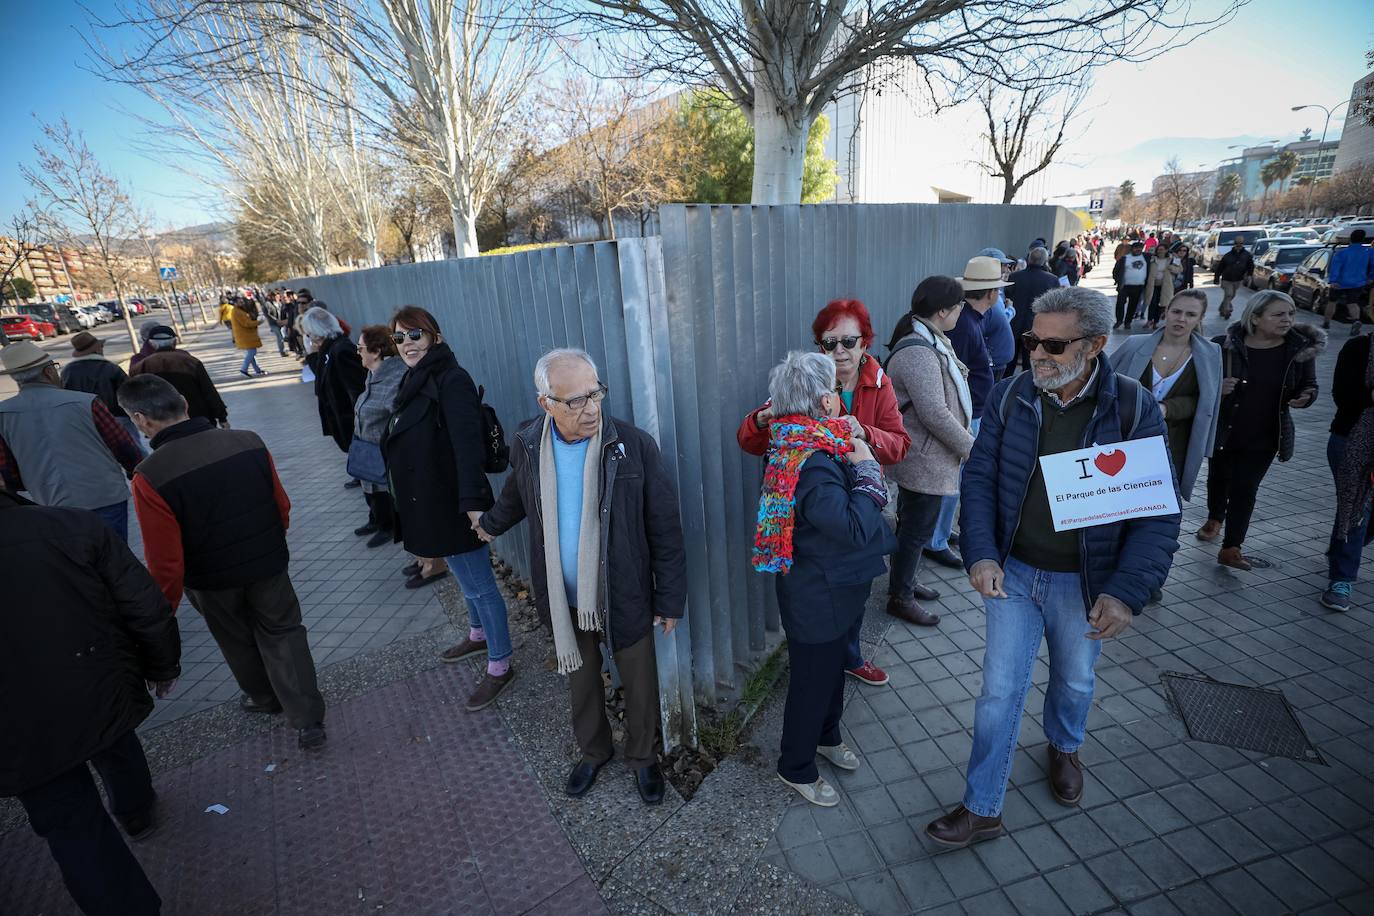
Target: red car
[17, 326]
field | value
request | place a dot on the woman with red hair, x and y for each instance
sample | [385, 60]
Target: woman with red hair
[843, 331]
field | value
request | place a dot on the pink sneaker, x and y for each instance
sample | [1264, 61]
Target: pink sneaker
[869, 673]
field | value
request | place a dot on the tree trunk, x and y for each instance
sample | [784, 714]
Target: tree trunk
[779, 150]
[374, 257]
[464, 233]
[128, 318]
[1009, 189]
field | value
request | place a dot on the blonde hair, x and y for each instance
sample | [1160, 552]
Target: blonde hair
[1254, 308]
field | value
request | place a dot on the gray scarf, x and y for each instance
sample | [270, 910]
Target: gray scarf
[588, 550]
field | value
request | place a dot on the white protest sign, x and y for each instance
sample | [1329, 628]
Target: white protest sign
[1109, 483]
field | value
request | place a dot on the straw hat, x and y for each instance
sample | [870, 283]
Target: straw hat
[983, 273]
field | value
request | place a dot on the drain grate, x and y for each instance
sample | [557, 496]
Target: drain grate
[1249, 718]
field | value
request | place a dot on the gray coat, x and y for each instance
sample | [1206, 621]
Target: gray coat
[375, 406]
[934, 418]
[1131, 359]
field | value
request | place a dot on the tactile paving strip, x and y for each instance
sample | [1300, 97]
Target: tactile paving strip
[1249, 718]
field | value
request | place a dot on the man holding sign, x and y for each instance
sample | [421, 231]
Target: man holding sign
[1070, 518]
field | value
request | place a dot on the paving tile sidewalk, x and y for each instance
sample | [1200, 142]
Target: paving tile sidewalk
[1167, 824]
[414, 806]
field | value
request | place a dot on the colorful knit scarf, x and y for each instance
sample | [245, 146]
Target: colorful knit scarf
[791, 440]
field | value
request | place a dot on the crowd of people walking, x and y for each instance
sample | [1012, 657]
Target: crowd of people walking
[986, 374]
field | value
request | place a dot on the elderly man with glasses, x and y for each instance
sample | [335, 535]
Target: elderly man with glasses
[1074, 587]
[607, 560]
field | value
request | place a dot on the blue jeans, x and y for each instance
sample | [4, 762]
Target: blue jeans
[1343, 556]
[1038, 603]
[117, 517]
[949, 511]
[279, 332]
[486, 606]
[250, 357]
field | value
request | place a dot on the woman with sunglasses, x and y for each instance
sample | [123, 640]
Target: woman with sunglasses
[843, 331]
[932, 391]
[435, 458]
[1269, 367]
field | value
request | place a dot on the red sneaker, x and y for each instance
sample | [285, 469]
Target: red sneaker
[869, 673]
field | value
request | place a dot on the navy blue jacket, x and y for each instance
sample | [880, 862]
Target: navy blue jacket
[838, 541]
[1126, 560]
[1027, 286]
[972, 350]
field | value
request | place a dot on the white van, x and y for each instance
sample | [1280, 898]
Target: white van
[1219, 242]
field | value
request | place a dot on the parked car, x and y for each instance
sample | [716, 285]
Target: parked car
[137, 306]
[17, 326]
[155, 302]
[51, 313]
[84, 319]
[113, 307]
[1342, 234]
[1262, 245]
[1308, 286]
[1276, 268]
[1300, 233]
[1219, 242]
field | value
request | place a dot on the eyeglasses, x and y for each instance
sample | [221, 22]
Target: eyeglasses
[1053, 345]
[580, 402]
[849, 343]
[410, 333]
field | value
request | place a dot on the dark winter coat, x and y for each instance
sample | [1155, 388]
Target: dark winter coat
[78, 639]
[434, 457]
[643, 558]
[1234, 266]
[339, 379]
[1303, 344]
[1027, 286]
[838, 542]
[98, 376]
[188, 376]
[1126, 560]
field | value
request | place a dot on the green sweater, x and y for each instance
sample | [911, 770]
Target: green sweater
[1037, 543]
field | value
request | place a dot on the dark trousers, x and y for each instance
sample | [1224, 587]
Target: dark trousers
[258, 628]
[639, 678]
[917, 514]
[1127, 303]
[1155, 309]
[1343, 552]
[815, 703]
[100, 872]
[381, 511]
[1233, 481]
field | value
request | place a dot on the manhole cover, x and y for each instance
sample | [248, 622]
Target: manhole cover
[1250, 718]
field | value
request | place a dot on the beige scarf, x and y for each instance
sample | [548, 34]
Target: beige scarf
[588, 550]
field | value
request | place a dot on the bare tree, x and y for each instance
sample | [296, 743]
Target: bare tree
[20, 241]
[1179, 193]
[618, 152]
[1026, 129]
[78, 201]
[783, 61]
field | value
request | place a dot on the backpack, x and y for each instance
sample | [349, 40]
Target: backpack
[1130, 398]
[911, 340]
[493, 437]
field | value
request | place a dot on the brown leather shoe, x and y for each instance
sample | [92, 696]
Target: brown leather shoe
[1209, 531]
[961, 827]
[1231, 556]
[1066, 777]
[463, 650]
[909, 610]
[924, 593]
[488, 689]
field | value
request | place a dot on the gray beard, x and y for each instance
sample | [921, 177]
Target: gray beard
[1064, 376]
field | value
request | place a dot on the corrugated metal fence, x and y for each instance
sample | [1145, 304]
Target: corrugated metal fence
[685, 327]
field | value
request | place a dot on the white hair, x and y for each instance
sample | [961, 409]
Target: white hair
[1038, 256]
[546, 362]
[1093, 309]
[797, 384]
[318, 322]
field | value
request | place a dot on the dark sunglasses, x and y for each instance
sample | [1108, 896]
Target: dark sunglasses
[1053, 345]
[411, 333]
[849, 343]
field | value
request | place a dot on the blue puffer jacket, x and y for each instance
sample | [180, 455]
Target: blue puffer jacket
[1126, 560]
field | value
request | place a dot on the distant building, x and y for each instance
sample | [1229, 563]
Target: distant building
[1357, 137]
[1205, 182]
[1315, 159]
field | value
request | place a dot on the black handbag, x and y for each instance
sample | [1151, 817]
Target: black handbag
[365, 461]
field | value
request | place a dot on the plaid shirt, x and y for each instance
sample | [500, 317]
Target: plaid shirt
[117, 439]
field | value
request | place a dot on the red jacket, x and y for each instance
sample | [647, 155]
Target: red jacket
[875, 407]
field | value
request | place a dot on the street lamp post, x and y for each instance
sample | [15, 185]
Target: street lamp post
[1325, 124]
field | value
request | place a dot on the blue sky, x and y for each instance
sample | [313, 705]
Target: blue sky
[1234, 85]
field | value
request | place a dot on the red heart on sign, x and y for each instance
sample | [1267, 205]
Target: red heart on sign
[1110, 463]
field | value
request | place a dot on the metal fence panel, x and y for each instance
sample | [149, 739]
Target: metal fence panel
[685, 327]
